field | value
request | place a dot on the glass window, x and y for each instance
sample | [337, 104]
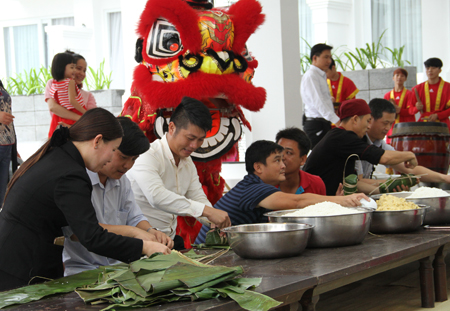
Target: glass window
[402, 21]
[25, 48]
[116, 55]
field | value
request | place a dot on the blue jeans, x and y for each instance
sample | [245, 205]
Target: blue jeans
[5, 159]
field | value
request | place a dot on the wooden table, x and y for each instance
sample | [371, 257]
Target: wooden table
[316, 271]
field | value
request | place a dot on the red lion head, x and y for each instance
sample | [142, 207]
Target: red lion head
[199, 53]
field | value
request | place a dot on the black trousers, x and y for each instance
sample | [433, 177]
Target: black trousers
[316, 129]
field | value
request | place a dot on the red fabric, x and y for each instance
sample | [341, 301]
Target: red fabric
[312, 183]
[405, 112]
[444, 110]
[348, 88]
[353, 107]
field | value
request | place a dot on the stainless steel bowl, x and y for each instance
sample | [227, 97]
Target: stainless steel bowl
[438, 211]
[262, 241]
[330, 231]
[397, 221]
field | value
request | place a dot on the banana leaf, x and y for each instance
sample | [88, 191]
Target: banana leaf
[214, 238]
[38, 291]
[151, 281]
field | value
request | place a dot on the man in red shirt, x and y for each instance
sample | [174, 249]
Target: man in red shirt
[296, 146]
[341, 88]
[401, 98]
[433, 100]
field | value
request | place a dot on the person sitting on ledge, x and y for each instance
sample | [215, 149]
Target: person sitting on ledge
[257, 194]
[296, 146]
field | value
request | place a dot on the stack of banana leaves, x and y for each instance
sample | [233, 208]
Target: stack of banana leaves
[146, 282]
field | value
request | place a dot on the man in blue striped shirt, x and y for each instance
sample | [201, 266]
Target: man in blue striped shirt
[257, 193]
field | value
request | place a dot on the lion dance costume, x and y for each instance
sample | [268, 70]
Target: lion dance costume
[188, 48]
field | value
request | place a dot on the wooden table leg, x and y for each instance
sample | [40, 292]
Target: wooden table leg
[440, 275]
[309, 301]
[426, 283]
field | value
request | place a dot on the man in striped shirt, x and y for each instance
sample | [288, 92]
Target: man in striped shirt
[256, 194]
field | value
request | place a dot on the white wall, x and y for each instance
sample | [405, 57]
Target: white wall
[276, 47]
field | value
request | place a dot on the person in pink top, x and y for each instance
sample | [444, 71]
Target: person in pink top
[64, 89]
[401, 98]
[88, 98]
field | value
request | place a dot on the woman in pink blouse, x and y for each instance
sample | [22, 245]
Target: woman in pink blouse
[88, 98]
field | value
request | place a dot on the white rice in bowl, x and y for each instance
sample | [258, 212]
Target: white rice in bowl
[428, 192]
[324, 209]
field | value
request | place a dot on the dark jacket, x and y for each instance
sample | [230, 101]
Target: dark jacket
[53, 193]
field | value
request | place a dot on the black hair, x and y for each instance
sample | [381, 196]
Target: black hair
[134, 141]
[433, 62]
[59, 63]
[192, 111]
[332, 64]
[258, 152]
[378, 106]
[318, 49]
[76, 57]
[92, 123]
[297, 135]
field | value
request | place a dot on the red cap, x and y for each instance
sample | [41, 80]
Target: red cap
[353, 107]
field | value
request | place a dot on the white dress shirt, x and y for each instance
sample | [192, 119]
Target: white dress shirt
[316, 95]
[114, 205]
[164, 190]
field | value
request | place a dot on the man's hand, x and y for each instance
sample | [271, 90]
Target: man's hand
[419, 106]
[432, 117]
[149, 248]
[353, 200]
[340, 190]
[6, 118]
[216, 216]
[411, 163]
[162, 238]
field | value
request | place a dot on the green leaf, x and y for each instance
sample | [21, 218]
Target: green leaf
[250, 300]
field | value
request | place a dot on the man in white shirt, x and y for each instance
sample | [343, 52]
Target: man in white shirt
[114, 204]
[318, 105]
[164, 179]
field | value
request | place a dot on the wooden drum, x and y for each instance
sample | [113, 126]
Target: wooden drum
[429, 141]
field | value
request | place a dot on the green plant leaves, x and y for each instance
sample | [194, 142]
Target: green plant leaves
[155, 280]
[372, 55]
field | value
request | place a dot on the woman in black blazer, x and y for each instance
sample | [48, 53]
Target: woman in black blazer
[52, 190]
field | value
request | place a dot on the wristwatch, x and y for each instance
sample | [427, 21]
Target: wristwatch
[148, 230]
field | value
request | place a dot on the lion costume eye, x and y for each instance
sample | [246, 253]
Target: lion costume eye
[163, 40]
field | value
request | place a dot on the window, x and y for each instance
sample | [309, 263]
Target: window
[116, 55]
[403, 22]
[23, 46]
[306, 27]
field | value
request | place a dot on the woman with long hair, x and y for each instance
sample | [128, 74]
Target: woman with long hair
[52, 190]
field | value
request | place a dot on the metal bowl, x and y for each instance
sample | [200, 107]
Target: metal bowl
[330, 231]
[397, 221]
[438, 211]
[262, 241]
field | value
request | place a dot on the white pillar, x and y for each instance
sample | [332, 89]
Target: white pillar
[131, 11]
[78, 39]
[276, 47]
[435, 33]
[331, 19]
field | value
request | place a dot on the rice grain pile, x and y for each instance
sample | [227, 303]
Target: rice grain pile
[392, 203]
[323, 209]
[428, 192]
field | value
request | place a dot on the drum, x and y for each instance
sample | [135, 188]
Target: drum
[429, 141]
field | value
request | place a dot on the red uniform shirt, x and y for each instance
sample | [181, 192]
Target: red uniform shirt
[348, 89]
[437, 92]
[403, 101]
